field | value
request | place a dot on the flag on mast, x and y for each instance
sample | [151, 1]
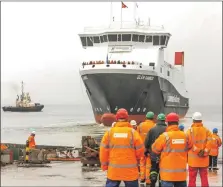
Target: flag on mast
[124, 5]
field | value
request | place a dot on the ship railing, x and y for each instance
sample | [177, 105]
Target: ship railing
[125, 64]
[111, 62]
[125, 25]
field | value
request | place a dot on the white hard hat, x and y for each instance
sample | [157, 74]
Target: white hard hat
[113, 124]
[197, 116]
[33, 132]
[133, 123]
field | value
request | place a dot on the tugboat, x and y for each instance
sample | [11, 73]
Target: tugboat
[24, 104]
[124, 67]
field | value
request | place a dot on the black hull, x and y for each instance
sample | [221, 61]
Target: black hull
[109, 91]
[23, 109]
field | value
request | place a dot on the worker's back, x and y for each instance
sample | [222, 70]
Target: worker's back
[154, 133]
[173, 154]
[144, 127]
[121, 146]
[32, 143]
[200, 135]
[215, 144]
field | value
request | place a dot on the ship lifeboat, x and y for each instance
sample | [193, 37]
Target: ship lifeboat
[107, 119]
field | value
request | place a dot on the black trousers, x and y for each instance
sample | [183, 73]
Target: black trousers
[213, 160]
[155, 167]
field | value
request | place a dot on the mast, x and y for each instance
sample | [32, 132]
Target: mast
[22, 87]
[111, 14]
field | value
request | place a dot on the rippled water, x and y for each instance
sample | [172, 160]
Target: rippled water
[64, 125]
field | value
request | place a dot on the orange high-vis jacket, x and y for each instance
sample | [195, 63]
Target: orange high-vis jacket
[201, 139]
[120, 150]
[216, 143]
[144, 128]
[3, 147]
[32, 143]
[173, 146]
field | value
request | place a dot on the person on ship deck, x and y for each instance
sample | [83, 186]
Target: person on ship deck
[120, 151]
[145, 162]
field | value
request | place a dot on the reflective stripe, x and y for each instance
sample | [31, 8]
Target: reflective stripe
[139, 146]
[200, 141]
[104, 146]
[168, 146]
[156, 150]
[131, 146]
[195, 155]
[175, 151]
[123, 165]
[173, 170]
[104, 163]
[120, 146]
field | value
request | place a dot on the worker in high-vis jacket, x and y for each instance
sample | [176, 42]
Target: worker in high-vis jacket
[3, 147]
[152, 135]
[31, 139]
[172, 146]
[213, 155]
[145, 162]
[120, 151]
[198, 155]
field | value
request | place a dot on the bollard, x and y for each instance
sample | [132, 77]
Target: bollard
[27, 151]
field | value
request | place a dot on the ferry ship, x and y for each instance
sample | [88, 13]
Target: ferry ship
[124, 67]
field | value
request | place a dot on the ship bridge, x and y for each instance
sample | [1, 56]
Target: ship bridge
[123, 43]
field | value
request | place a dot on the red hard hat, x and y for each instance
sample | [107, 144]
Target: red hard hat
[172, 117]
[122, 114]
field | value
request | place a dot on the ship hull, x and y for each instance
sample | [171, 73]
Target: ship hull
[23, 109]
[137, 94]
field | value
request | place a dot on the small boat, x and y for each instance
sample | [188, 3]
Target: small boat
[24, 104]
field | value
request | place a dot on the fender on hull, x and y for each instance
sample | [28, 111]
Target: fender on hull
[107, 120]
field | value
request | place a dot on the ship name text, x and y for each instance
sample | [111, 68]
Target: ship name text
[144, 77]
[173, 99]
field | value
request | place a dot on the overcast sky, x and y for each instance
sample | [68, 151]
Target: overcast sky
[40, 46]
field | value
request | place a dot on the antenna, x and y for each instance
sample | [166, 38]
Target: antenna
[111, 14]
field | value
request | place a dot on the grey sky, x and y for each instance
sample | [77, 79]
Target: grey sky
[40, 45]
